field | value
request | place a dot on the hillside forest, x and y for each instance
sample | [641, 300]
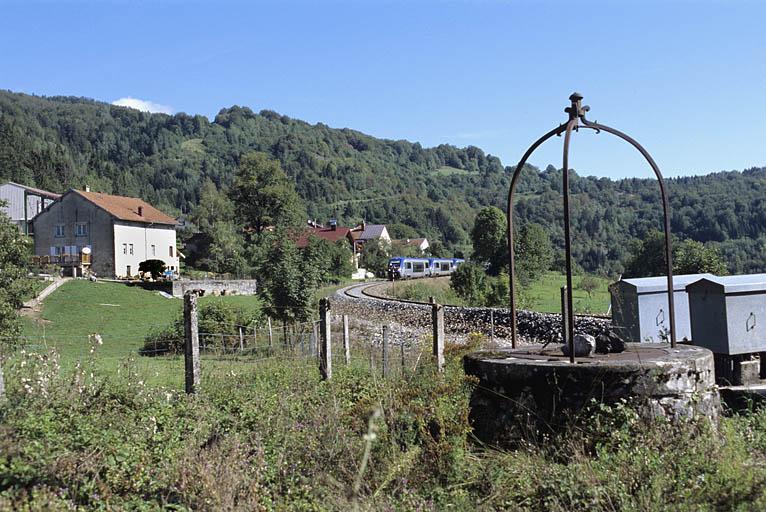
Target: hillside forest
[172, 161]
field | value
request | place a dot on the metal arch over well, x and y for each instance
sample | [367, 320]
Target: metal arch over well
[576, 120]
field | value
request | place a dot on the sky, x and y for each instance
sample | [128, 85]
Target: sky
[685, 78]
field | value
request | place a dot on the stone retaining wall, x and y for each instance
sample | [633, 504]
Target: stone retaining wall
[216, 287]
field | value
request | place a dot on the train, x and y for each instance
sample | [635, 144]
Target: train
[401, 267]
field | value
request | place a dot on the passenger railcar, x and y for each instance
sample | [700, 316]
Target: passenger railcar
[408, 268]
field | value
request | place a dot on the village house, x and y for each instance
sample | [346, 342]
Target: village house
[366, 232]
[23, 203]
[419, 244]
[105, 234]
[332, 234]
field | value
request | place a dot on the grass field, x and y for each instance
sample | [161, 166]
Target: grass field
[544, 294]
[123, 316]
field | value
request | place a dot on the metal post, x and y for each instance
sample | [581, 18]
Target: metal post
[401, 350]
[241, 340]
[271, 335]
[191, 343]
[385, 350]
[346, 341]
[325, 352]
[313, 344]
[437, 319]
[564, 316]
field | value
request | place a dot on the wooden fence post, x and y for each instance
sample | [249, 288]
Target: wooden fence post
[191, 343]
[437, 319]
[385, 350]
[325, 351]
[271, 335]
[241, 340]
[346, 341]
[2, 382]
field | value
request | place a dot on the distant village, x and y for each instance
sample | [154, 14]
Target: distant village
[89, 233]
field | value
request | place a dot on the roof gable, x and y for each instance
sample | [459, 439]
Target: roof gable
[329, 234]
[127, 208]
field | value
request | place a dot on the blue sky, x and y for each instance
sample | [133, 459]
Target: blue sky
[687, 79]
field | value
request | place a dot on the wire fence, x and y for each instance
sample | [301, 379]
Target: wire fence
[383, 349]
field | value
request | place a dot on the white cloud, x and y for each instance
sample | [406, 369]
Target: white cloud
[143, 105]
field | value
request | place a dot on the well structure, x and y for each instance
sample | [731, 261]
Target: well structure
[532, 390]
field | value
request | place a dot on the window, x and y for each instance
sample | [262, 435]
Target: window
[128, 272]
[154, 250]
[81, 229]
[58, 230]
[419, 266]
[124, 248]
[170, 248]
[131, 249]
[408, 265]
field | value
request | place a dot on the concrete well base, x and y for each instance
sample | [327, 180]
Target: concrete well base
[531, 391]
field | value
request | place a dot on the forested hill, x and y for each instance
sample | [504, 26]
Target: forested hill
[61, 142]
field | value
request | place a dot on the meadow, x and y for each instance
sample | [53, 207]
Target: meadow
[82, 427]
[542, 295]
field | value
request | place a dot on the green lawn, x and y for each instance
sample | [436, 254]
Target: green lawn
[544, 294]
[123, 315]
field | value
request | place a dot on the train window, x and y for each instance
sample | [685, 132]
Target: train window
[445, 266]
[419, 267]
[408, 265]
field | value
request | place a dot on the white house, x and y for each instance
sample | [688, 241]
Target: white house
[106, 234]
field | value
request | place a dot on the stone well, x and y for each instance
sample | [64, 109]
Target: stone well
[531, 391]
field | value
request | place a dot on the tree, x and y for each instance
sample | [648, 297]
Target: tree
[692, 257]
[14, 286]
[588, 284]
[534, 253]
[469, 281]
[264, 195]
[689, 257]
[375, 256]
[490, 241]
[287, 286]
[398, 230]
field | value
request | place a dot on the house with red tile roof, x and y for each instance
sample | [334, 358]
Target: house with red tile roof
[105, 234]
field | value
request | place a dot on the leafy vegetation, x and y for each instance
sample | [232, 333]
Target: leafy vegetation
[171, 161]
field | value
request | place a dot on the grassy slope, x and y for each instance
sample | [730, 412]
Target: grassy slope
[122, 315]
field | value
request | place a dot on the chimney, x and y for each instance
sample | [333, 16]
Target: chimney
[333, 225]
[363, 225]
[87, 188]
[140, 211]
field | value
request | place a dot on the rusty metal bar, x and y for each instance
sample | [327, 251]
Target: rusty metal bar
[577, 113]
[568, 236]
[509, 218]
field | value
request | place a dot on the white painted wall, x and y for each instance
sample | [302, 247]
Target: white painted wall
[142, 238]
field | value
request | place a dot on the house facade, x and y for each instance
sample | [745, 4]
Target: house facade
[23, 203]
[105, 234]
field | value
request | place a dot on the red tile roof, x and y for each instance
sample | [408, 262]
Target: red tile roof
[126, 208]
[329, 234]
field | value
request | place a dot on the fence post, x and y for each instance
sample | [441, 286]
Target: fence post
[346, 341]
[313, 341]
[437, 319]
[241, 340]
[564, 316]
[191, 343]
[271, 336]
[2, 382]
[325, 351]
[385, 350]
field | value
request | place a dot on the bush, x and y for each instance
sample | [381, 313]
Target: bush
[215, 318]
